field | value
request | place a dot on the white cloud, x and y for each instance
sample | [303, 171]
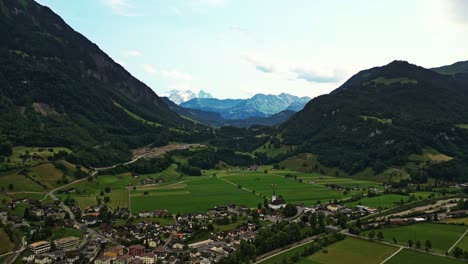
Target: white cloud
[260, 63]
[121, 7]
[176, 75]
[294, 70]
[149, 68]
[318, 76]
[132, 53]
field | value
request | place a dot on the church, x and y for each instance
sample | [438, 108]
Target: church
[276, 203]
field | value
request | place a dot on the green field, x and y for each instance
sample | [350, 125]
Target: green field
[343, 182]
[442, 236]
[271, 151]
[5, 244]
[292, 191]
[414, 257]
[352, 250]
[86, 191]
[195, 195]
[60, 232]
[381, 201]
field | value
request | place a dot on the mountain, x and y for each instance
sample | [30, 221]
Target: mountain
[179, 97]
[216, 120]
[60, 89]
[260, 105]
[460, 67]
[381, 116]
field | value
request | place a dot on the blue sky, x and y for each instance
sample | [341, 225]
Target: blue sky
[236, 48]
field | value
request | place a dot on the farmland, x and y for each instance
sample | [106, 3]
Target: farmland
[293, 191]
[412, 257]
[381, 201]
[442, 236]
[197, 194]
[352, 250]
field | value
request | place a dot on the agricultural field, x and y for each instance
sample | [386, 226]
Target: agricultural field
[195, 195]
[86, 192]
[414, 257]
[20, 183]
[352, 250]
[343, 182]
[291, 190]
[442, 236]
[382, 201]
[5, 244]
[44, 154]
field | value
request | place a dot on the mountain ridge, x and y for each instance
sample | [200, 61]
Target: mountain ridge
[260, 105]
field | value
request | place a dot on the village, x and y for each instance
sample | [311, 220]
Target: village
[160, 237]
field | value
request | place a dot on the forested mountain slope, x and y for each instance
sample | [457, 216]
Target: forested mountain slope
[382, 115]
[59, 89]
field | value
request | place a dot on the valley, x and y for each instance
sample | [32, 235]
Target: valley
[97, 167]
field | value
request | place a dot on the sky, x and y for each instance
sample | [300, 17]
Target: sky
[237, 48]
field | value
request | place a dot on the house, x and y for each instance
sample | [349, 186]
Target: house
[40, 247]
[124, 259]
[114, 252]
[331, 229]
[43, 259]
[136, 250]
[148, 258]
[28, 256]
[103, 260]
[160, 252]
[67, 243]
[136, 261]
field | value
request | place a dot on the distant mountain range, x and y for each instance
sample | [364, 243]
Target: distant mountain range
[260, 105]
[215, 119]
[179, 97]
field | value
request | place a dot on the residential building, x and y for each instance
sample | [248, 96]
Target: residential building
[148, 258]
[136, 250]
[67, 243]
[40, 247]
[103, 260]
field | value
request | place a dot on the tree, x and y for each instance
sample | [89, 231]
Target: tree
[380, 235]
[394, 240]
[107, 189]
[371, 234]
[11, 186]
[418, 244]
[410, 243]
[428, 245]
[457, 252]
[107, 199]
